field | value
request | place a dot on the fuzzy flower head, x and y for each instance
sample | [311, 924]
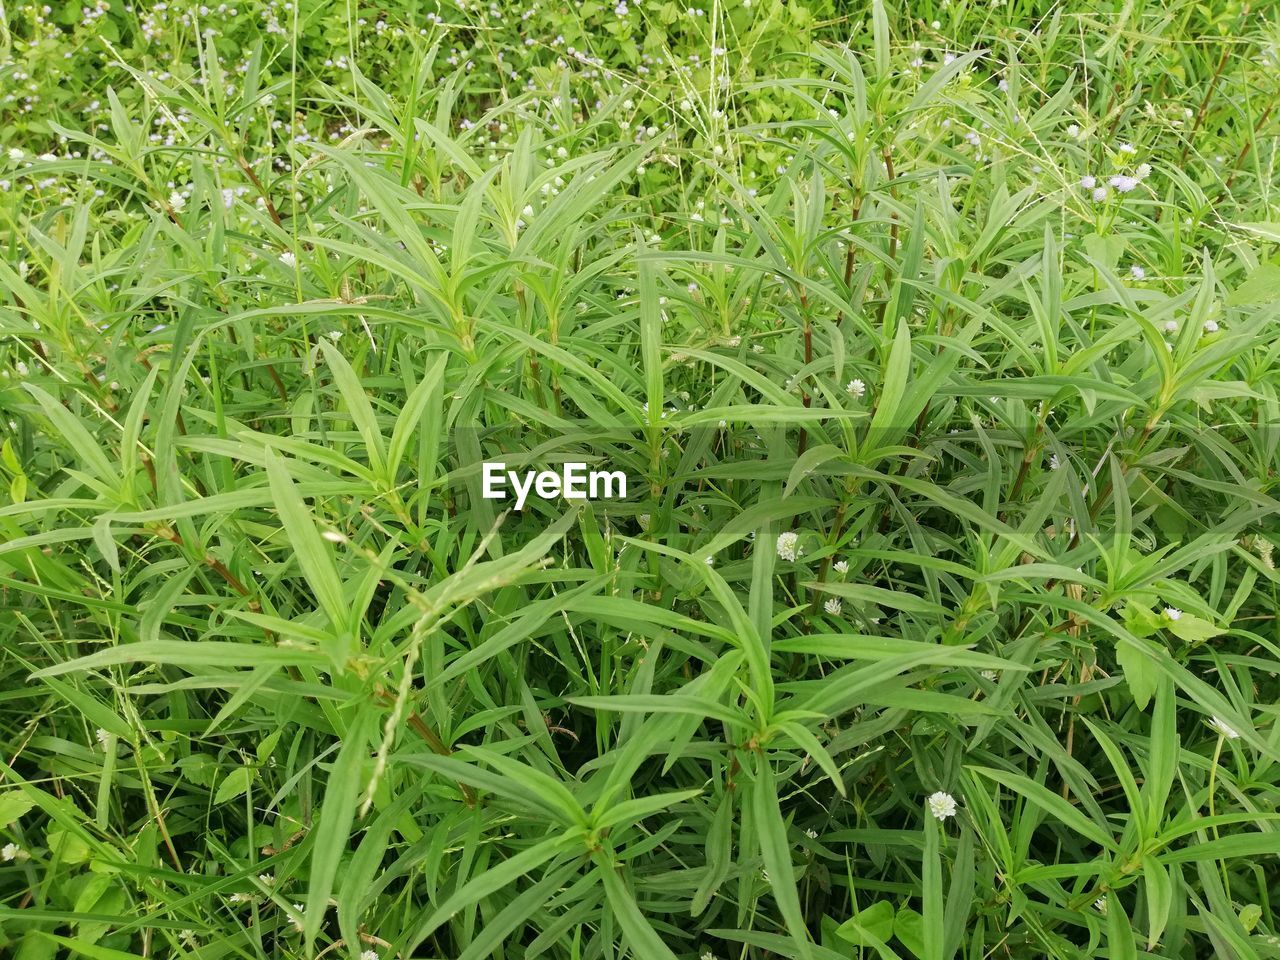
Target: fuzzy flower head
[1223, 730]
[942, 805]
[288, 259]
[841, 566]
[788, 545]
[11, 851]
[369, 955]
[1173, 613]
[832, 606]
[855, 388]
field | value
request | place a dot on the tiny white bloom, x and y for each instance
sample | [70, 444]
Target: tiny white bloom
[842, 566]
[369, 955]
[1173, 613]
[990, 675]
[267, 879]
[1137, 272]
[11, 851]
[710, 561]
[1211, 326]
[288, 259]
[177, 201]
[1143, 171]
[1100, 194]
[942, 805]
[811, 833]
[788, 545]
[1073, 130]
[1224, 730]
[1171, 326]
[21, 368]
[334, 335]
[1123, 183]
[833, 606]
[102, 735]
[298, 918]
[1088, 182]
[1054, 462]
[1128, 148]
[1101, 905]
[855, 388]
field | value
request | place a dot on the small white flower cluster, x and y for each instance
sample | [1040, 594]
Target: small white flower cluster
[942, 805]
[789, 546]
[1223, 730]
[1121, 182]
[11, 851]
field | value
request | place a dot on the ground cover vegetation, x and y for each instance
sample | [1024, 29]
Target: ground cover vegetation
[939, 343]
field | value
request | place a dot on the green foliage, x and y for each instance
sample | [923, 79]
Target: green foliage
[939, 347]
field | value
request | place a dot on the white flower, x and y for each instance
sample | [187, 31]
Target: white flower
[788, 545]
[833, 606]
[644, 519]
[15, 154]
[1123, 183]
[299, 916]
[288, 259]
[1224, 730]
[266, 878]
[1100, 905]
[11, 851]
[1054, 462]
[1171, 326]
[1173, 613]
[855, 388]
[177, 201]
[1211, 326]
[707, 955]
[1073, 130]
[1127, 148]
[990, 675]
[1137, 272]
[21, 368]
[334, 335]
[1100, 194]
[942, 805]
[1143, 171]
[1088, 182]
[811, 834]
[841, 566]
[369, 955]
[102, 735]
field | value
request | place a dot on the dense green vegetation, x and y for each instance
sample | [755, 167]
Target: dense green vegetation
[939, 343]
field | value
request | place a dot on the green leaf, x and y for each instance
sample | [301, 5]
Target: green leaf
[869, 927]
[234, 784]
